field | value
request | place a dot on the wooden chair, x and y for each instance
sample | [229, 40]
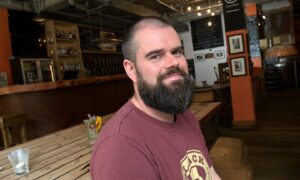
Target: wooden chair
[10, 123]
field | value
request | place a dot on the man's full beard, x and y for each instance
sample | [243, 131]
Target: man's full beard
[174, 98]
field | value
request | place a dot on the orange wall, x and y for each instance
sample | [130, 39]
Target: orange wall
[242, 88]
[250, 10]
[5, 45]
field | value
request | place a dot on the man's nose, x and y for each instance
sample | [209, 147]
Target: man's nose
[171, 60]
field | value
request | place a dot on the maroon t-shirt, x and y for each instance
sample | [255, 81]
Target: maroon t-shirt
[135, 146]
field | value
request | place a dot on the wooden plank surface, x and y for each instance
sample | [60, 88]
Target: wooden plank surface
[58, 84]
[204, 111]
[66, 154]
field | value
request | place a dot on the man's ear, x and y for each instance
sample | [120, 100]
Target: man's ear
[130, 69]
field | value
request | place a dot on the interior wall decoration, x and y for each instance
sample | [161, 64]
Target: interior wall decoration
[220, 54]
[238, 66]
[234, 13]
[236, 44]
[209, 55]
[205, 36]
[199, 57]
[253, 36]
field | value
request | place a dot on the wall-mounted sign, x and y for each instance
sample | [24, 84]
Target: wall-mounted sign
[220, 54]
[234, 15]
[199, 57]
[253, 36]
[206, 36]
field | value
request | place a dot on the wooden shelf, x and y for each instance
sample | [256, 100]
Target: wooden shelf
[71, 55]
[99, 52]
[54, 28]
[66, 40]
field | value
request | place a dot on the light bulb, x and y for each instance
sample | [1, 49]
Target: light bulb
[212, 13]
[198, 7]
[189, 8]
[208, 11]
[199, 14]
[209, 23]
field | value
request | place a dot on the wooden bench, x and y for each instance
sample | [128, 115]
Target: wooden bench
[229, 156]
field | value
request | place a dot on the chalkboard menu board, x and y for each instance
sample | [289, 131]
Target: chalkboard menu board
[205, 36]
[253, 36]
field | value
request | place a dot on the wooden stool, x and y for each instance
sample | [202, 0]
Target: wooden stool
[8, 123]
[229, 156]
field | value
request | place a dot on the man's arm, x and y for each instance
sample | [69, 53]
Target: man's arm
[121, 158]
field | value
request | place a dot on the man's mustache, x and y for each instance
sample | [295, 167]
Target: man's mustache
[171, 71]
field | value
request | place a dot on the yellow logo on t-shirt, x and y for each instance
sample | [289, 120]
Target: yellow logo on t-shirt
[192, 163]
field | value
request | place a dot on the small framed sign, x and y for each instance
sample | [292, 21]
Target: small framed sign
[199, 57]
[219, 54]
[209, 55]
[238, 66]
[236, 44]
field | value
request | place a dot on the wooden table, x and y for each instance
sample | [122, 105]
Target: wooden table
[66, 154]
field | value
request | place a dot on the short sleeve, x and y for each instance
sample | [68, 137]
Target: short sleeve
[118, 157]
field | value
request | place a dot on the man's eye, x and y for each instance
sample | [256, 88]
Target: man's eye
[178, 52]
[156, 57]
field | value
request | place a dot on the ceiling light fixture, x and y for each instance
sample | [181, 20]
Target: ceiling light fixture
[194, 6]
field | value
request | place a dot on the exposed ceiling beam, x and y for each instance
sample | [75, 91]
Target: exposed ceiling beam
[16, 5]
[134, 8]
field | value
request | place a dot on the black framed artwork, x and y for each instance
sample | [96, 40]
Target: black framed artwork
[236, 44]
[238, 66]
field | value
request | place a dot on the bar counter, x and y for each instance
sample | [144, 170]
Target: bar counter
[57, 105]
[57, 84]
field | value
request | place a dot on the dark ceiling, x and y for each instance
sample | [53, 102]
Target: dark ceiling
[118, 15]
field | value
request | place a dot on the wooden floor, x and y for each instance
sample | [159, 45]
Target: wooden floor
[274, 145]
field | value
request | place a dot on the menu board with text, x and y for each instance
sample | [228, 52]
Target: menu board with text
[207, 36]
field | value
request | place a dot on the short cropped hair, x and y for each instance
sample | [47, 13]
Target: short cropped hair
[129, 44]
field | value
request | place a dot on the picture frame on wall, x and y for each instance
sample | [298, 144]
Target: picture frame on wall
[236, 44]
[209, 55]
[220, 54]
[238, 66]
[199, 57]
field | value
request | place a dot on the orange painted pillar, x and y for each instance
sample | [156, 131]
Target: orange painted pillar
[5, 45]
[240, 65]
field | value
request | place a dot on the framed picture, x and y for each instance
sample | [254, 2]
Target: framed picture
[219, 54]
[209, 55]
[236, 44]
[238, 66]
[199, 57]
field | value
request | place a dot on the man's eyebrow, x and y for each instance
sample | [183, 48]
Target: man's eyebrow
[177, 48]
[156, 51]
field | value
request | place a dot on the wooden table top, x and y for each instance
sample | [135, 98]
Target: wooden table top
[66, 154]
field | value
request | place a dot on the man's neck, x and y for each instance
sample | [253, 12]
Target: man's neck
[159, 115]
